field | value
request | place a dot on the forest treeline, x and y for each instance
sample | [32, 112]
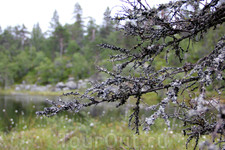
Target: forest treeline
[71, 50]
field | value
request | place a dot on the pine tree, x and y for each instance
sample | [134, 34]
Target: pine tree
[59, 35]
[37, 37]
[24, 36]
[62, 36]
[76, 29]
[54, 21]
[108, 25]
[92, 29]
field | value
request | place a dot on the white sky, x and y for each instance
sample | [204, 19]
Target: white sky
[29, 12]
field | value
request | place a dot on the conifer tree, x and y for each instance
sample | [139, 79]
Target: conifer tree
[59, 34]
[37, 37]
[54, 21]
[108, 25]
[76, 29]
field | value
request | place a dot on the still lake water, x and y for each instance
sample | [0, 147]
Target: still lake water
[14, 108]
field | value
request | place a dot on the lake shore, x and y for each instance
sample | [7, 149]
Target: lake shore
[11, 91]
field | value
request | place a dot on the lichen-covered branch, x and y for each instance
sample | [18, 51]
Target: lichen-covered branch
[159, 31]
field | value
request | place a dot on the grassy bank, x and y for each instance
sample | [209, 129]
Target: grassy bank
[65, 133]
[71, 133]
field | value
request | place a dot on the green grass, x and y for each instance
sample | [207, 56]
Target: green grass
[58, 133]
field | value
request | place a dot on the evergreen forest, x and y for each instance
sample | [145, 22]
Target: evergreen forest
[72, 50]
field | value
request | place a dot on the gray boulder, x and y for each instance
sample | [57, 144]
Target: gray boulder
[17, 88]
[70, 79]
[71, 85]
[48, 86]
[38, 88]
[82, 84]
[66, 89]
[27, 87]
[60, 85]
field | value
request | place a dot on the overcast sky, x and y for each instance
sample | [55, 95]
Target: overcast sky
[29, 12]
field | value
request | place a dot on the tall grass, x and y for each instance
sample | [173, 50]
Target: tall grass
[78, 133]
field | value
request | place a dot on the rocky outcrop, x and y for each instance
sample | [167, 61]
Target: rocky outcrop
[71, 85]
[32, 87]
[60, 86]
[82, 84]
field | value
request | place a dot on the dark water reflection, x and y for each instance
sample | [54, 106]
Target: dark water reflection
[14, 108]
